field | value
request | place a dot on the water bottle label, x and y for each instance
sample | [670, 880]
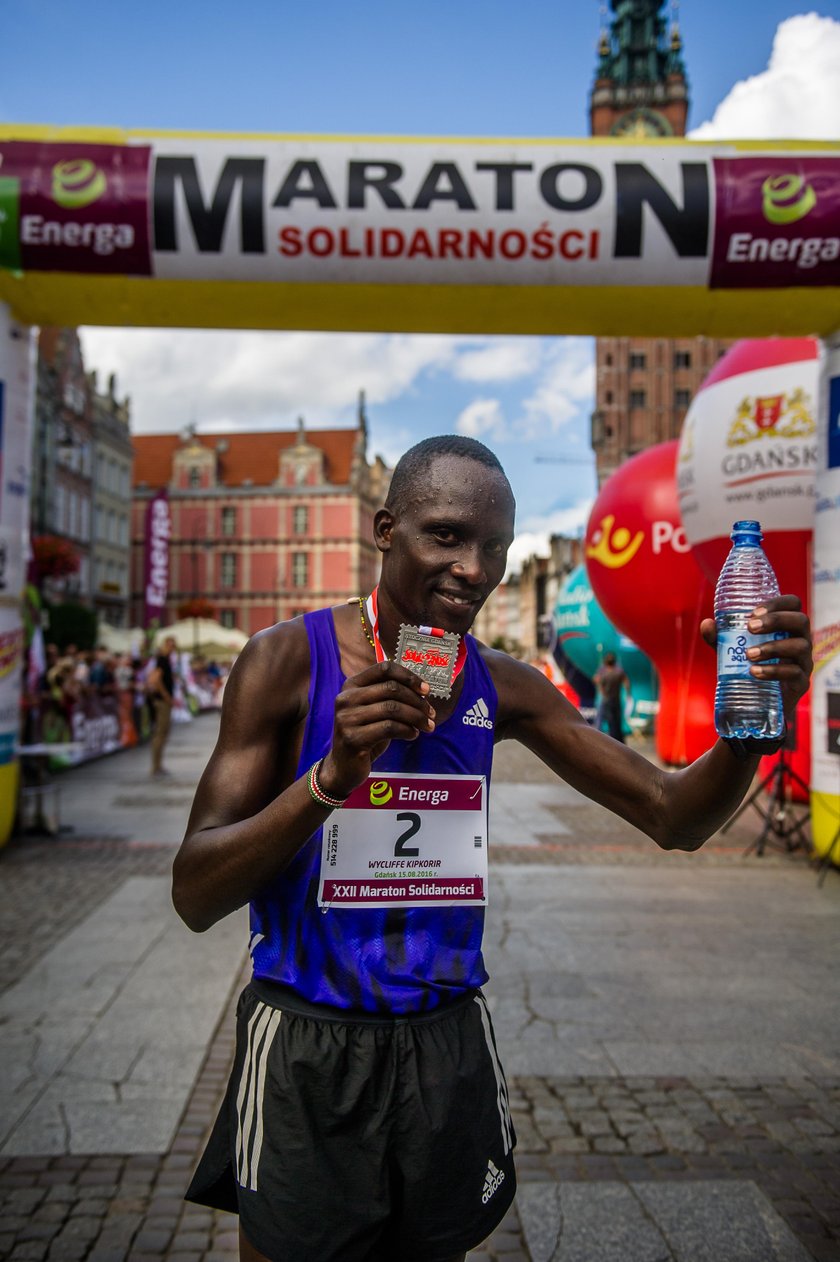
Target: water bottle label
[732, 645]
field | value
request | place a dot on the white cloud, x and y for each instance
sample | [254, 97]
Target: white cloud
[502, 359]
[533, 538]
[483, 418]
[796, 97]
[564, 388]
[224, 379]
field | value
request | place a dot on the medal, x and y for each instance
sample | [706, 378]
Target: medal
[435, 655]
[430, 653]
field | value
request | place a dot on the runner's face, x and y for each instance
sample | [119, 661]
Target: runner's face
[445, 550]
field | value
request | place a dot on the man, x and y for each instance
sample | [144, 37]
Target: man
[160, 687]
[367, 1116]
[609, 680]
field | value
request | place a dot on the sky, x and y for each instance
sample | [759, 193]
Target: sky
[756, 68]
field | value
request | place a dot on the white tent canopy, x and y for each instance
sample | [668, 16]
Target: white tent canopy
[205, 635]
[202, 635]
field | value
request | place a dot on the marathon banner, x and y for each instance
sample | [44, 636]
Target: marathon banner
[435, 217]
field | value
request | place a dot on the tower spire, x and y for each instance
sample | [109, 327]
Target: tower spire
[640, 85]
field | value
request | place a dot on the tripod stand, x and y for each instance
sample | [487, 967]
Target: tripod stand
[825, 861]
[778, 811]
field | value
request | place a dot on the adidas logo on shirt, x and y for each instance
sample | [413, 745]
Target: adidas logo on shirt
[478, 715]
[493, 1180]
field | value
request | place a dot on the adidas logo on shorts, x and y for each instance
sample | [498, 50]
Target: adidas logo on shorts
[477, 715]
[493, 1180]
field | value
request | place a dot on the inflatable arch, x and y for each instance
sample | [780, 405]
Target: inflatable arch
[665, 238]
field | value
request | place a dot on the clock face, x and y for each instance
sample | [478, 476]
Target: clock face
[641, 123]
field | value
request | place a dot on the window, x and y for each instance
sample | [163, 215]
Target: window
[609, 396]
[637, 398]
[228, 574]
[112, 526]
[682, 359]
[124, 532]
[60, 501]
[300, 519]
[228, 522]
[682, 398]
[194, 476]
[637, 359]
[300, 569]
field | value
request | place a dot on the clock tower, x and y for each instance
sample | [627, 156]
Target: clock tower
[643, 385]
[640, 86]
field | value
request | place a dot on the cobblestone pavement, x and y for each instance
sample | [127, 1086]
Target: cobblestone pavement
[781, 1133]
[61, 880]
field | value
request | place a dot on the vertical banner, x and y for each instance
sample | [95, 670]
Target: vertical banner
[825, 704]
[156, 558]
[17, 367]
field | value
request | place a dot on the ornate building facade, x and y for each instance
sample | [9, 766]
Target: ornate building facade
[113, 456]
[643, 386]
[81, 475]
[265, 526]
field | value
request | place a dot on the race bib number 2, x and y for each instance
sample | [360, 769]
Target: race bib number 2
[407, 840]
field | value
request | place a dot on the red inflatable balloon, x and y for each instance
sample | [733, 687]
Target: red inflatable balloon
[647, 582]
[749, 450]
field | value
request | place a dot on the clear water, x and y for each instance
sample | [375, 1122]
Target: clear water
[744, 706]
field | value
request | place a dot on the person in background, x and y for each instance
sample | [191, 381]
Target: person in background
[160, 689]
[138, 684]
[610, 678]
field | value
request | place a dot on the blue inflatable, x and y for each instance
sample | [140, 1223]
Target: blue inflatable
[583, 635]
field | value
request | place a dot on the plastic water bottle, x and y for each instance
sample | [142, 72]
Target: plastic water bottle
[745, 707]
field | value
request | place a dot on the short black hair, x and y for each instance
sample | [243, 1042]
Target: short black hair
[413, 465]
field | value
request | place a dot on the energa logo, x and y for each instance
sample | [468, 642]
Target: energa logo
[380, 792]
[786, 198]
[77, 182]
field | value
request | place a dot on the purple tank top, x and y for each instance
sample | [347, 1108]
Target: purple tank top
[393, 960]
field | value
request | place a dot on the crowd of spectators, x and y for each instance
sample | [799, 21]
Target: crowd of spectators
[72, 677]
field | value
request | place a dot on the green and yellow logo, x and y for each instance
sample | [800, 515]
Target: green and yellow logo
[380, 793]
[786, 198]
[9, 223]
[77, 182]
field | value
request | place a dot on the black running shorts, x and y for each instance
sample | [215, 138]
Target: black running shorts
[343, 1140]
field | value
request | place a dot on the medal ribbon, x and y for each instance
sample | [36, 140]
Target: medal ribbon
[372, 611]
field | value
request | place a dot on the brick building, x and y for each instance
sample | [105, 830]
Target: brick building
[643, 386]
[264, 525]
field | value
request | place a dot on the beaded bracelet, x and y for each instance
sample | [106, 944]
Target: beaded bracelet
[317, 793]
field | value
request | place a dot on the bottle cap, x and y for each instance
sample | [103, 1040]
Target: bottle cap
[742, 528]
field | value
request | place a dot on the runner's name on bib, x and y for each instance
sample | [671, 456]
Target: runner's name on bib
[407, 840]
